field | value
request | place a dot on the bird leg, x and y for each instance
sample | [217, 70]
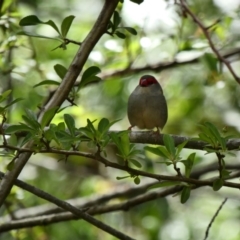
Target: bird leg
[130, 128]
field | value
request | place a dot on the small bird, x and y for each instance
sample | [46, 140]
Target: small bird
[147, 106]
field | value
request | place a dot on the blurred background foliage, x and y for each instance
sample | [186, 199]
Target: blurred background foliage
[202, 90]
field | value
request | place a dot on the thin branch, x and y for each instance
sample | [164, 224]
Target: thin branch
[70, 208]
[205, 31]
[213, 218]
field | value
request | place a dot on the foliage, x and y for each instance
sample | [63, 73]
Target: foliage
[200, 90]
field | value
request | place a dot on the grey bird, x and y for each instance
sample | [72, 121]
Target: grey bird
[147, 106]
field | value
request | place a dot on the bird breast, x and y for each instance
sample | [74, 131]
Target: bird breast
[147, 107]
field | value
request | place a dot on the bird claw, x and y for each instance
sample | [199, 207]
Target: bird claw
[130, 128]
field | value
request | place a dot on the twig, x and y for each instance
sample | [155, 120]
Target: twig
[207, 35]
[213, 218]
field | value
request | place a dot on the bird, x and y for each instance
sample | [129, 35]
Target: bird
[147, 106]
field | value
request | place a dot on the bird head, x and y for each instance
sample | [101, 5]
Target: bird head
[147, 80]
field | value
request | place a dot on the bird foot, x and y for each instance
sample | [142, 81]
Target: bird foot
[130, 128]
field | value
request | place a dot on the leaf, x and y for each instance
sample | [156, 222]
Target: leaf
[103, 125]
[120, 178]
[189, 164]
[137, 1]
[130, 30]
[116, 20]
[160, 151]
[29, 34]
[120, 35]
[180, 147]
[137, 180]
[17, 128]
[13, 102]
[4, 95]
[169, 144]
[47, 82]
[217, 184]
[60, 70]
[135, 163]
[185, 194]
[89, 75]
[31, 119]
[70, 122]
[34, 20]
[66, 24]
[48, 116]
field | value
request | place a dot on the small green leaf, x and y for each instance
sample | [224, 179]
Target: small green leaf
[17, 128]
[137, 180]
[116, 19]
[4, 95]
[47, 82]
[120, 35]
[130, 30]
[185, 194]
[70, 122]
[60, 70]
[189, 164]
[29, 34]
[89, 75]
[135, 163]
[180, 147]
[217, 184]
[10, 165]
[103, 125]
[13, 102]
[137, 1]
[48, 116]
[169, 143]
[120, 178]
[66, 24]
[30, 20]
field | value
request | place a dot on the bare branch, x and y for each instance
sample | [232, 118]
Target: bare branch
[205, 31]
[214, 217]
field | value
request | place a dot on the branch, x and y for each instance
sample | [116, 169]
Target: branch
[214, 217]
[63, 90]
[207, 35]
[68, 207]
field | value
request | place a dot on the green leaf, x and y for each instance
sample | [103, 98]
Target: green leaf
[160, 151]
[137, 1]
[116, 19]
[48, 116]
[180, 148]
[89, 75]
[29, 34]
[130, 30]
[70, 122]
[211, 61]
[169, 143]
[135, 163]
[17, 128]
[120, 35]
[103, 125]
[66, 24]
[60, 70]
[34, 20]
[189, 164]
[137, 180]
[47, 82]
[217, 184]
[4, 95]
[185, 194]
[31, 119]
[120, 178]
